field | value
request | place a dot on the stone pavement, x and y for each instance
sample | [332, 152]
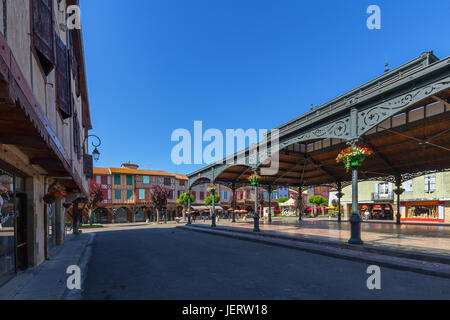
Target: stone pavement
[48, 280]
[424, 249]
[348, 253]
[428, 239]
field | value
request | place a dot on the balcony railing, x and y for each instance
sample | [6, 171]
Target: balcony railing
[382, 196]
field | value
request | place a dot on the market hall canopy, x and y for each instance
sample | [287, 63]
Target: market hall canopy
[403, 116]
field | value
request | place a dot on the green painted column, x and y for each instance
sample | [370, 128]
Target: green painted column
[189, 208]
[355, 219]
[213, 211]
[339, 194]
[234, 202]
[256, 216]
[270, 204]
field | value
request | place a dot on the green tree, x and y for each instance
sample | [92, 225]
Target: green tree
[158, 199]
[318, 201]
[208, 201]
[184, 201]
[282, 200]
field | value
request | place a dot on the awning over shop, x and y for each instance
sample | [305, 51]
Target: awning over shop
[199, 208]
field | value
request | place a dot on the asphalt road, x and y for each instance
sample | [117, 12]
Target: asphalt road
[168, 263]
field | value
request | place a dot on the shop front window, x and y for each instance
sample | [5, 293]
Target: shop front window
[422, 212]
[7, 215]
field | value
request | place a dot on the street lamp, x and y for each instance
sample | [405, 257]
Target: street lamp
[95, 153]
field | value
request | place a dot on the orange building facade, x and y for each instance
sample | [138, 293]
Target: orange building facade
[126, 194]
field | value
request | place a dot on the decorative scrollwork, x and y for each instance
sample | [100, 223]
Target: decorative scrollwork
[337, 129]
[381, 112]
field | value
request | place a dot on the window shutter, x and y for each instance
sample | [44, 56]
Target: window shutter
[75, 71]
[62, 79]
[43, 32]
[76, 136]
[426, 184]
[433, 184]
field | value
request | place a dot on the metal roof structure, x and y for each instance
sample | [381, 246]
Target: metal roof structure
[403, 116]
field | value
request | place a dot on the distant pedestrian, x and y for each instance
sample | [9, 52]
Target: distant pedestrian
[366, 214]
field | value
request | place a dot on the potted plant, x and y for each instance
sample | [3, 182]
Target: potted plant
[211, 189]
[254, 179]
[353, 156]
[51, 197]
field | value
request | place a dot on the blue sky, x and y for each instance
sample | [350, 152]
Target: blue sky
[158, 65]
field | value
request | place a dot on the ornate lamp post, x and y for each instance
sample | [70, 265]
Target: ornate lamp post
[212, 190]
[352, 157]
[95, 153]
[254, 181]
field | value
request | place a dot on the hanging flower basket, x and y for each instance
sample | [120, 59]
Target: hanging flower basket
[51, 197]
[211, 189]
[353, 157]
[254, 179]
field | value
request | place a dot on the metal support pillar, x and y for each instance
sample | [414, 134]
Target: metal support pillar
[355, 219]
[213, 211]
[398, 192]
[233, 188]
[339, 195]
[300, 203]
[270, 203]
[256, 216]
[189, 208]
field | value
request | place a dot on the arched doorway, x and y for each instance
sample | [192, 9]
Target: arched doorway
[121, 215]
[139, 215]
[101, 215]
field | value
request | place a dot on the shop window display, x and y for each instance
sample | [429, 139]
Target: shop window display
[423, 212]
[7, 215]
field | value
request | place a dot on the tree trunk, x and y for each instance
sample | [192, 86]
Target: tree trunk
[75, 218]
[91, 217]
[184, 213]
[157, 216]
